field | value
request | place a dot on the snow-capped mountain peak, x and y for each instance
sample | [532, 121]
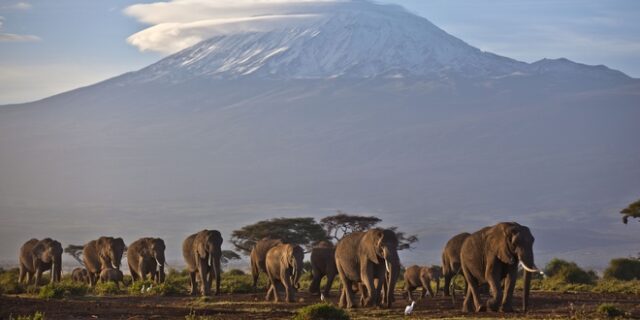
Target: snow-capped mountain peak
[353, 40]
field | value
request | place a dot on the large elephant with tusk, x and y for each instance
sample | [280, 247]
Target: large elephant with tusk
[145, 256]
[492, 255]
[202, 252]
[364, 257]
[102, 253]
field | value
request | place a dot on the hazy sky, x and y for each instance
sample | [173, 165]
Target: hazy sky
[47, 47]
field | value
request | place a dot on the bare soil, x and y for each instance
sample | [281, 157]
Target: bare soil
[544, 305]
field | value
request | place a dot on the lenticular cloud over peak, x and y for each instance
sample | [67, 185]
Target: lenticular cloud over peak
[179, 24]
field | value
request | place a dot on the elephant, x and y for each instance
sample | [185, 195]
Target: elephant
[491, 255]
[284, 265]
[37, 256]
[202, 252]
[259, 255]
[146, 257]
[451, 261]
[364, 256]
[113, 275]
[102, 253]
[421, 277]
[323, 263]
[80, 275]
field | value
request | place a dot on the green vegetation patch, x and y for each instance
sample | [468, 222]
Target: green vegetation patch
[62, 290]
[321, 311]
[610, 310]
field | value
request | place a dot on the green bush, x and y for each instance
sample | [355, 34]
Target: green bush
[235, 272]
[623, 269]
[321, 311]
[569, 272]
[62, 289]
[9, 282]
[610, 310]
[36, 316]
[108, 288]
[236, 284]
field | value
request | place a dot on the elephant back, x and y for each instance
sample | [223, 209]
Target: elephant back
[260, 249]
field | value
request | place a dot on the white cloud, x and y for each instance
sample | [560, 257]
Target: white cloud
[178, 24]
[12, 37]
[18, 6]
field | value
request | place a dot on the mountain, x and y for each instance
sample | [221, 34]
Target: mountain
[366, 108]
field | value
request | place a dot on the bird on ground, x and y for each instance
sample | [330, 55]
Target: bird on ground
[322, 297]
[409, 309]
[143, 289]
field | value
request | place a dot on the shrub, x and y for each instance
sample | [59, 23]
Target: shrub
[235, 272]
[192, 316]
[36, 316]
[108, 288]
[610, 310]
[321, 311]
[623, 269]
[569, 272]
[62, 289]
[9, 282]
[236, 284]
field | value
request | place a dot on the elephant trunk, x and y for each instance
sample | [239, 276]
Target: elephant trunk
[526, 289]
[393, 270]
[160, 268]
[297, 273]
[56, 269]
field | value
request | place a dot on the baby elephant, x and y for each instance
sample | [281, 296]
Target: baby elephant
[421, 277]
[80, 275]
[113, 275]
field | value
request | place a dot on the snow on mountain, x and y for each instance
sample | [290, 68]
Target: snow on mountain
[355, 40]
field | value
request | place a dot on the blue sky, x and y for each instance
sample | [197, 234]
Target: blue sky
[47, 47]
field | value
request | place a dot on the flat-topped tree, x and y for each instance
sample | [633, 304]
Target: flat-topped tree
[631, 211]
[300, 231]
[342, 224]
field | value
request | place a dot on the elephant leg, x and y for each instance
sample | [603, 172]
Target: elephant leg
[426, 287]
[23, 274]
[468, 300]
[314, 287]
[509, 285]
[327, 287]
[288, 290]
[495, 286]
[472, 292]
[437, 286]
[38, 276]
[203, 269]
[255, 272]
[192, 276]
[366, 274]
[408, 292]
[134, 275]
[348, 292]
[447, 284]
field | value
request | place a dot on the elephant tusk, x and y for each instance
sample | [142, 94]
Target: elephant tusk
[388, 266]
[532, 270]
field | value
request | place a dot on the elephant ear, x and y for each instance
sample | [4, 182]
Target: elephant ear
[285, 256]
[500, 239]
[200, 244]
[39, 249]
[370, 243]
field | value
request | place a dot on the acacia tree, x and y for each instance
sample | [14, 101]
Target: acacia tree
[300, 231]
[228, 255]
[342, 224]
[75, 251]
[631, 211]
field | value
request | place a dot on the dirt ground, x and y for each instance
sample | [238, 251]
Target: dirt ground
[544, 305]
